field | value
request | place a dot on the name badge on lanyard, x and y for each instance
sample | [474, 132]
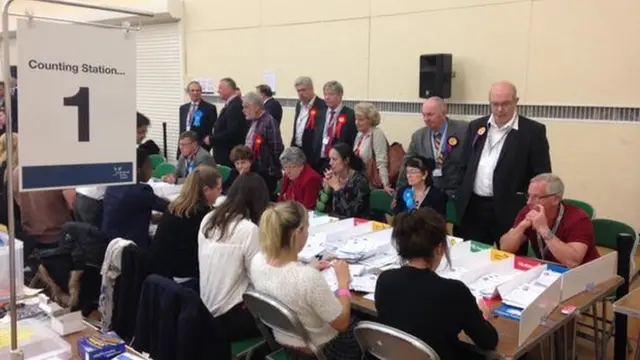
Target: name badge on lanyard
[437, 172]
[440, 150]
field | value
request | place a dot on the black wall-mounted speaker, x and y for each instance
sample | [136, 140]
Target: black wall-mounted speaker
[435, 75]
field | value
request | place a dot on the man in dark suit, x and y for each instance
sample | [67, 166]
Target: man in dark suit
[198, 115]
[307, 111]
[502, 153]
[441, 139]
[271, 105]
[335, 123]
[231, 128]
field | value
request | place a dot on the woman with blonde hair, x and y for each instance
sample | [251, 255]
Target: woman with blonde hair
[6, 172]
[175, 244]
[276, 272]
[371, 144]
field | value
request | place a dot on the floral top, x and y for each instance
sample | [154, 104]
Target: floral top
[353, 199]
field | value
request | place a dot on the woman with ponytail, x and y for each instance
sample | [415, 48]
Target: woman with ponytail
[276, 272]
[227, 242]
[175, 244]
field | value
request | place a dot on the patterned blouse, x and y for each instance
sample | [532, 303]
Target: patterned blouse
[353, 199]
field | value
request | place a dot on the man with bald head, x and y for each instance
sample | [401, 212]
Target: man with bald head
[502, 153]
[441, 139]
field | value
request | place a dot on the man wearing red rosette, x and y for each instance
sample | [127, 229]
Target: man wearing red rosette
[265, 140]
[304, 122]
[334, 124]
[502, 153]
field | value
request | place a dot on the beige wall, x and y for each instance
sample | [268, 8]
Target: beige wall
[555, 51]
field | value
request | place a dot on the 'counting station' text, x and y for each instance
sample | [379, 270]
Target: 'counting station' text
[73, 68]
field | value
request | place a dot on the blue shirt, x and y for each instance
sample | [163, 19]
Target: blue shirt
[127, 212]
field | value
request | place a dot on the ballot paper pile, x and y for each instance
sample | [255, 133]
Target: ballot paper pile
[523, 295]
[485, 286]
[363, 279]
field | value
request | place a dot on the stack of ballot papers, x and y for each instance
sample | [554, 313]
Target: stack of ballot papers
[359, 248]
[452, 272]
[485, 286]
[526, 293]
[361, 279]
[313, 247]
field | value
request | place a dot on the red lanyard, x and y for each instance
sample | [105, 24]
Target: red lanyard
[359, 145]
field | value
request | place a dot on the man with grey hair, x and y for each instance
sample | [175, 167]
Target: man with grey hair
[441, 139]
[300, 182]
[230, 129]
[307, 109]
[264, 139]
[557, 232]
[334, 124]
[502, 152]
[198, 115]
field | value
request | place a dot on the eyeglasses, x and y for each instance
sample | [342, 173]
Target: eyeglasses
[538, 197]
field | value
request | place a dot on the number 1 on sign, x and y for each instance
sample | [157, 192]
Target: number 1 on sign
[81, 100]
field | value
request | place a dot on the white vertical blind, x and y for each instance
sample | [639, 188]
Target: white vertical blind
[159, 81]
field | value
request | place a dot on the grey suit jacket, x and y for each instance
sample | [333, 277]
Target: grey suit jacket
[202, 157]
[452, 166]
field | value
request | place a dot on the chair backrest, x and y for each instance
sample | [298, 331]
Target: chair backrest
[606, 233]
[387, 343]
[164, 169]
[586, 207]
[451, 212]
[278, 316]
[156, 160]
[381, 201]
[225, 171]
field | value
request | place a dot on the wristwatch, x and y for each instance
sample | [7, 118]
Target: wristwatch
[343, 292]
[547, 235]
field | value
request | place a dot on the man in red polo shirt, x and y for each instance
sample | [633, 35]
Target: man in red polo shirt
[558, 232]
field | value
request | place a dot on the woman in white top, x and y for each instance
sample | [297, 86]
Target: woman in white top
[371, 141]
[276, 272]
[227, 241]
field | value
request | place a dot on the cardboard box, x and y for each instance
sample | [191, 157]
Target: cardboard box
[101, 346]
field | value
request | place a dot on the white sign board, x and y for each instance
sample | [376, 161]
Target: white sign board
[77, 105]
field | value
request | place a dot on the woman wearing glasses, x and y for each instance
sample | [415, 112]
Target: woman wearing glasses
[420, 191]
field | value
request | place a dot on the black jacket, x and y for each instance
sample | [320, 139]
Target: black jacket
[173, 323]
[175, 244]
[137, 264]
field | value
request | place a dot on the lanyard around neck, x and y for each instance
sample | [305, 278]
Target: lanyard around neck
[543, 249]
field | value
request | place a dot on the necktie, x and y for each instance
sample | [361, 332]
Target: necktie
[437, 137]
[192, 110]
[329, 137]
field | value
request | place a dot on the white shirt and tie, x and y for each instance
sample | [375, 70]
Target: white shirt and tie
[301, 120]
[192, 110]
[331, 118]
[483, 184]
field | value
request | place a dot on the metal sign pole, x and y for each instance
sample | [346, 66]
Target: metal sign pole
[16, 353]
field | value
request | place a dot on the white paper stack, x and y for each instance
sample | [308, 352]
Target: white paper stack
[313, 248]
[453, 272]
[486, 285]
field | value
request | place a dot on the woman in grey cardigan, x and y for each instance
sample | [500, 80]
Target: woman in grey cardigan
[371, 140]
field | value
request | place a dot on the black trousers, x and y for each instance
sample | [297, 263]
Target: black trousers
[480, 223]
[239, 324]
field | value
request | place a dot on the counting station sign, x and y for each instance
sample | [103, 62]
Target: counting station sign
[77, 105]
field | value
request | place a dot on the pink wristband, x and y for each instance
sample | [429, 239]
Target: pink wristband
[343, 292]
